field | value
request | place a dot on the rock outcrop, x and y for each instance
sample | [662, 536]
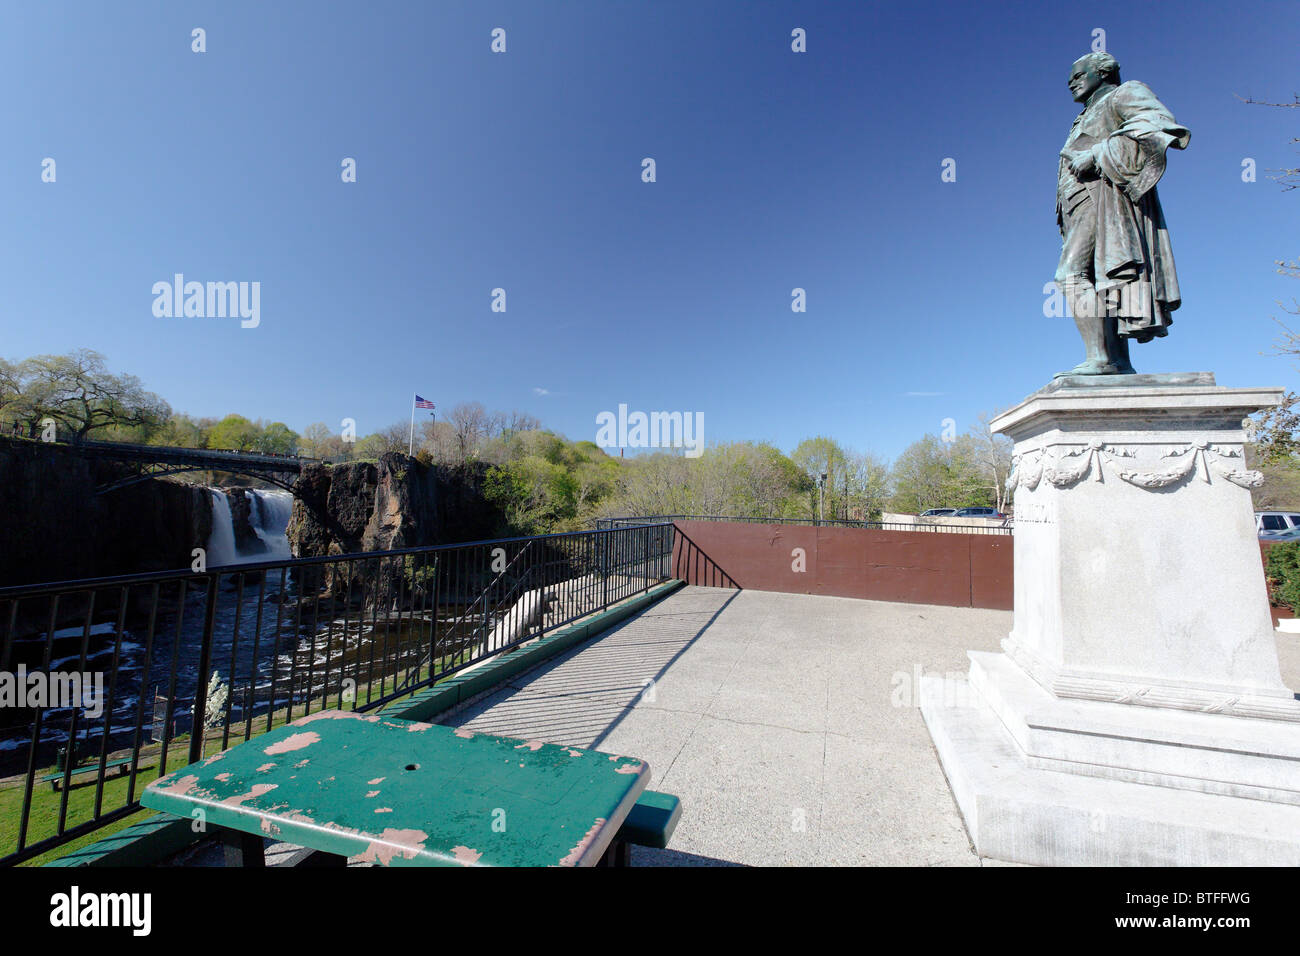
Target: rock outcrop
[390, 504]
[241, 519]
[53, 527]
[393, 503]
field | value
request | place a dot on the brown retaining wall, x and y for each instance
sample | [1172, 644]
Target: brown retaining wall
[915, 567]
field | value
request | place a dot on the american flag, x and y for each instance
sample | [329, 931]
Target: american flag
[423, 403]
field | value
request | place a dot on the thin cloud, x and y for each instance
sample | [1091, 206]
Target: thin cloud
[541, 391]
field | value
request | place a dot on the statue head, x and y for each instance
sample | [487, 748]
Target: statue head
[1090, 72]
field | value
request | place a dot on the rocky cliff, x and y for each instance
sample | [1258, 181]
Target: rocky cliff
[53, 527]
[395, 502]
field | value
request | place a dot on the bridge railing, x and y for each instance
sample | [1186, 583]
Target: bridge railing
[134, 451]
[114, 682]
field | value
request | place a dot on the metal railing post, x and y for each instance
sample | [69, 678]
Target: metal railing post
[604, 568]
[280, 659]
[198, 726]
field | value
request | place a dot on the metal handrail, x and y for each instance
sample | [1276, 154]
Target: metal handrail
[618, 522]
[147, 577]
[287, 637]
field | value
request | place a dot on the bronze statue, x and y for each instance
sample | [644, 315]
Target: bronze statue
[1117, 266]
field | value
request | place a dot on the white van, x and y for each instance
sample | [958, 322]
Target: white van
[1266, 521]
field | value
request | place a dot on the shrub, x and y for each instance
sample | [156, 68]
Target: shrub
[1282, 569]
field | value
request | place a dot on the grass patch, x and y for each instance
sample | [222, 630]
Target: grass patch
[43, 817]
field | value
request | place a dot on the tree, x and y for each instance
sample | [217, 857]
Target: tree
[80, 394]
[11, 388]
[931, 473]
[317, 441]
[438, 438]
[396, 437]
[472, 426]
[517, 421]
[870, 485]
[993, 455]
[1275, 449]
[1289, 178]
[1289, 343]
[234, 433]
[277, 438]
[823, 456]
[741, 479]
[180, 431]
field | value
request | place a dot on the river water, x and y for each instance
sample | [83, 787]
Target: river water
[278, 645]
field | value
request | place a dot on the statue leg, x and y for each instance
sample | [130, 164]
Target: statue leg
[1119, 350]
[1095, 328]
[1074, 276]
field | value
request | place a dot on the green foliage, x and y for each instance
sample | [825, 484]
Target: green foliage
[419, 579]
[855, 485]
[79, 393]
[277, 438]
[544, 483]
[1282, 569]
[1275, 438]
[181, 431]
[744, 479]
[234, 433]
[1274, 450]
[932, 473]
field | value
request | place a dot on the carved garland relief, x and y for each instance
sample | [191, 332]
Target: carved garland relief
[1063, 470]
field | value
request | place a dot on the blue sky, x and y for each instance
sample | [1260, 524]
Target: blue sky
[522, 171]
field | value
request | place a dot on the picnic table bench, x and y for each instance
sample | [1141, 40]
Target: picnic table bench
[119, 765]
[403, 793]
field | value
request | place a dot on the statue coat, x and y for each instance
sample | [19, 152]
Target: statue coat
[1127, 132]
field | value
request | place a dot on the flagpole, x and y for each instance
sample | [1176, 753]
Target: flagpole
[410, 448]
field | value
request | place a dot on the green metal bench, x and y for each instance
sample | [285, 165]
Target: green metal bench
[649, 823]
[120, 764]
[144, 843]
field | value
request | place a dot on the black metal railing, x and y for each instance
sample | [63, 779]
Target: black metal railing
[189, 663]
[1003, 526]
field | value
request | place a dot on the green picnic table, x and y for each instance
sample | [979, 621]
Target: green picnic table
[402, 793]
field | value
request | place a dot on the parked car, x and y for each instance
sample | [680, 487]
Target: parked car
[939, 513]
[978, 513]
[1272, 521]
[1290, 534]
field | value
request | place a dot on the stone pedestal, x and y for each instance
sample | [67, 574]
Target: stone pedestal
[1137, 714]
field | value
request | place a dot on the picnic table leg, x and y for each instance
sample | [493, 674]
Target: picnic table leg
[243, 849]
[618, 853]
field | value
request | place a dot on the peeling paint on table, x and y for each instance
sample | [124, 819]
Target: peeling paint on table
[450, 797]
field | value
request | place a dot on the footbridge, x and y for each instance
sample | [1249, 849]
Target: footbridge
[155, 461]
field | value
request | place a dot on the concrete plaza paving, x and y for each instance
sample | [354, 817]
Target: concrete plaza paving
[786, 723]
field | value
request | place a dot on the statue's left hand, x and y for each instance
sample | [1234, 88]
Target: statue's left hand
[1082, 163]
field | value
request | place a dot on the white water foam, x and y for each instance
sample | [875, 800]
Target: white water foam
[269, 516]
[221, 542]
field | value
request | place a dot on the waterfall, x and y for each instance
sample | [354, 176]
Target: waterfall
[221, 542]
[271, 510]
[268, 514]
